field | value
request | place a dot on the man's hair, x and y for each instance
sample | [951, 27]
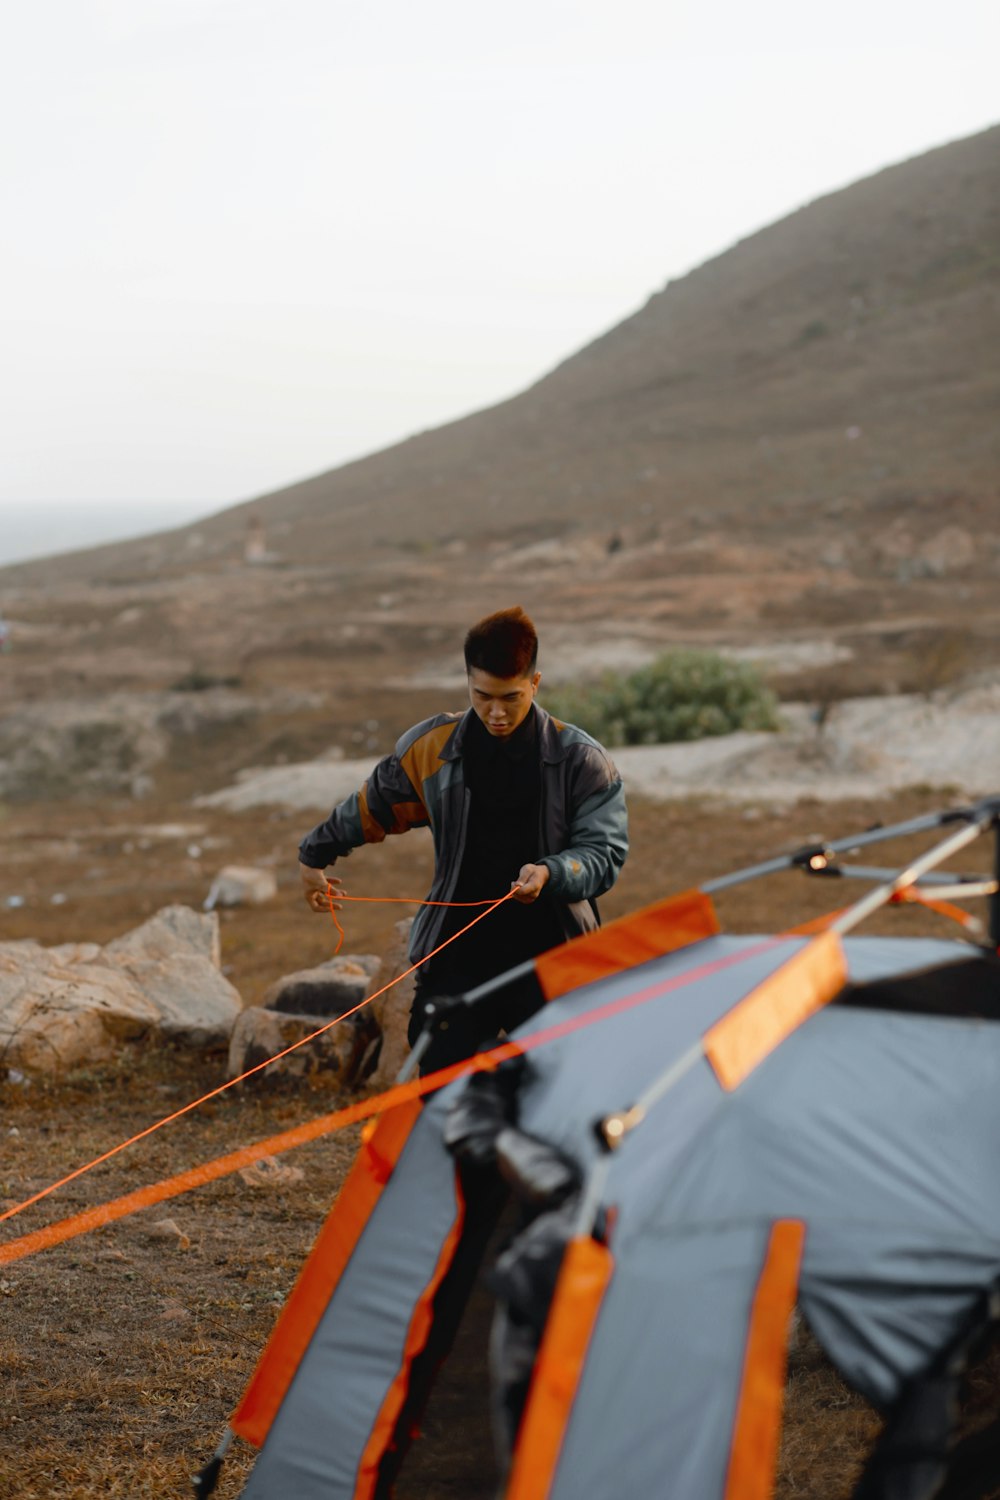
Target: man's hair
[504, 644]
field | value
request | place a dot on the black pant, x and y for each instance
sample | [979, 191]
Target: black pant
[459, 1033]
[464, 1029]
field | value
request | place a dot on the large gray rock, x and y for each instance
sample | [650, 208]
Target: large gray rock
[174, 961]
[77, 1002]
[260, 1034]
[173, 930]
[298, 1004]
[242, 885]
[329, 989]
[62, 1006]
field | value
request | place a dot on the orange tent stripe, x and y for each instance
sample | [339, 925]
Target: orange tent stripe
[323, 1269]
[416, 1339]
[762, 1020]
[583, 1279]
[649, 933]
[757, 1432]
[816, 924]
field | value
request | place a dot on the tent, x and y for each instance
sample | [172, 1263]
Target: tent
[699, 1131]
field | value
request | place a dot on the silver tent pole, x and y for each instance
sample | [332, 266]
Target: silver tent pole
[799, 857]
[909, 876]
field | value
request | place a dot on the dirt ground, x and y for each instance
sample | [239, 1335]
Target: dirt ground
[123, 1354]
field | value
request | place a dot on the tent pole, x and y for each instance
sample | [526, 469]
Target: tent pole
[988, 809]
[882, 894]
[838, 846]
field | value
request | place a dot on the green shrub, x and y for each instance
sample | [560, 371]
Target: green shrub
[683, 695]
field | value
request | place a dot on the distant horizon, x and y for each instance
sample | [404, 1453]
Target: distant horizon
[27, 535]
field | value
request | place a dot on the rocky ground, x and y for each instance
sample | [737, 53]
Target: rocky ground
[156, 730]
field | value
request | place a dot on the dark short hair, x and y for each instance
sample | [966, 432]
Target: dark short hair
[504, 644]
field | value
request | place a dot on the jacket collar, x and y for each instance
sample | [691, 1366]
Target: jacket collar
[550, 743]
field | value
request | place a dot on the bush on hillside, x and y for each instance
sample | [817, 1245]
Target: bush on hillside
[683, 695]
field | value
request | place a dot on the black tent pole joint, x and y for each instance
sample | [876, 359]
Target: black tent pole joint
[816, 859]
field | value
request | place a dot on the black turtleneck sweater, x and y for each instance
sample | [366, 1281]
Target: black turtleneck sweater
[504, 778]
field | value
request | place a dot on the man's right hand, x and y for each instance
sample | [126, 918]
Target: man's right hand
[317, 887]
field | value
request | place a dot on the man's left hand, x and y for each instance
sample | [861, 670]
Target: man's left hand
[531, 880]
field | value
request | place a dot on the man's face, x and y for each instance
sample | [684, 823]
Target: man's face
[502, 703]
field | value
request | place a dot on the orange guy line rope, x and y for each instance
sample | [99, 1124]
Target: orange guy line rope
[213, 1093]
[337, 896]
[364, 1109]
[119, 1208]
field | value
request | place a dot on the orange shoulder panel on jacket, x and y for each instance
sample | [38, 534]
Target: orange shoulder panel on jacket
[424, 756]
[380, 1150]
[657, 929]
[372, 829]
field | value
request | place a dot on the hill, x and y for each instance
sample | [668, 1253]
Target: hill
[838, 361]
[796, 442]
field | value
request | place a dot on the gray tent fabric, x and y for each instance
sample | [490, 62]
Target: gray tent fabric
[316, 1443]
[655, 1409]
[899, 1251]
[878, 1131]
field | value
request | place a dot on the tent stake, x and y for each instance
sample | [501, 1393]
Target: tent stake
[206, 1479]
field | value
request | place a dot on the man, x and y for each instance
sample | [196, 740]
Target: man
[512, 797]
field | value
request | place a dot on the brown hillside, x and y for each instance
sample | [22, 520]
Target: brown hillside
[798, 439]
[726, 401]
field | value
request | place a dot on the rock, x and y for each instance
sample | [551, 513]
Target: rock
[77, 1002]
[259, 1034]
[391, 1011]
[169, 1230]
[948, 550]
[62, 1006]
[327, 990]
[241, 885]
[195, 1003]
[173, 930]
[174, 959]
[269, 1172]
[368, 963]
[174, 1312]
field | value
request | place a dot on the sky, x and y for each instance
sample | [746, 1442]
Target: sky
[244, 241]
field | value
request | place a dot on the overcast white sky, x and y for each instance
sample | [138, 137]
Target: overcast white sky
[243, 241]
